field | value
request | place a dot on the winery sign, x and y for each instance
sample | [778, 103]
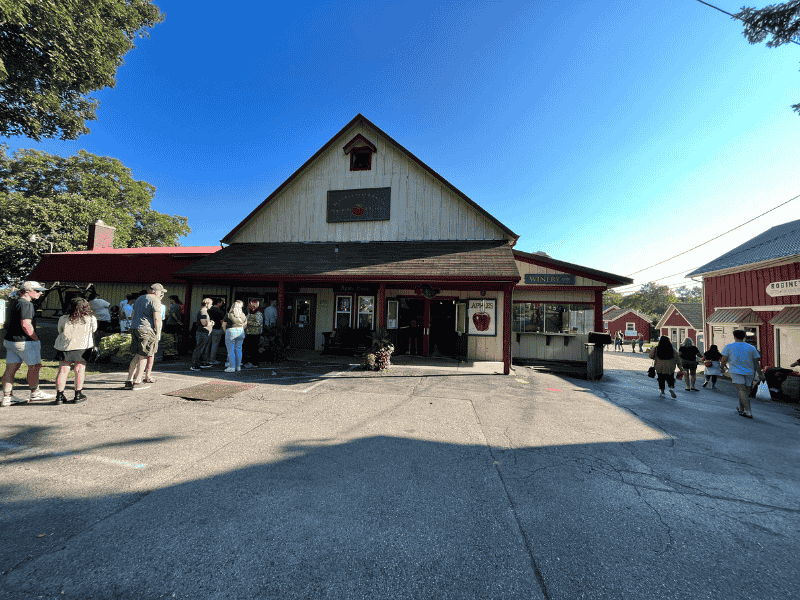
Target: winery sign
[370, 204]
[542, 279]
[784, 288]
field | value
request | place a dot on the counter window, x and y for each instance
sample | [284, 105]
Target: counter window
[552, 318]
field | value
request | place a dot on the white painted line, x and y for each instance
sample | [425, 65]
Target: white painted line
[330, 377]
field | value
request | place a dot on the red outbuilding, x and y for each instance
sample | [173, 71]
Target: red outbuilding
[682, 320]
[629, 321]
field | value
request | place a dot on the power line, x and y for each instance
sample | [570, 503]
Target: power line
[714, 238]
[792, 40]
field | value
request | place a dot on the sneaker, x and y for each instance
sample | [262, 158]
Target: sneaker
[662, 392]
[238, 368]
[206, 366]
[9, 400]
[195, 369]
[706, 383]
[79, 397]
[38, 394]
[128, 385]
[230, 370]
[216, 362]
[140, 386]
[672, 393]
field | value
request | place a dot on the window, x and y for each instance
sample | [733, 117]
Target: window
[391, 314]
[361, 159]
[751, 335]
[552, 318]
[366, 312]
[343, 305]
[681, 335]
[302, 312]
[461, 317]
[630, 326]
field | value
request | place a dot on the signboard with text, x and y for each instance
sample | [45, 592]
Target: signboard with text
[553, 279]
[482, 316]
[784, 288]
[370, 204]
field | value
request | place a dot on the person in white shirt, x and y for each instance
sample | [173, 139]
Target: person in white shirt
[743, 361]
[75, 330]
[103, 314]
[125, 313]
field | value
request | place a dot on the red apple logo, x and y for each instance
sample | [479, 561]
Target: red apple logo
[358, 210]
[481, 321]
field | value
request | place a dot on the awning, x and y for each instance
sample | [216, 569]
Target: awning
[415, 261]
[788, 316]
[735, 316]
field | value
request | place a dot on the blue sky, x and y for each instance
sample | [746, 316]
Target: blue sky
[611, 135]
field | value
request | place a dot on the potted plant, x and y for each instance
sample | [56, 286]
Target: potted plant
[379, 355]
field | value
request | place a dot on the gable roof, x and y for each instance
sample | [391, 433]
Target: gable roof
[781, 241]
[543, 260]
[359, 118]
[611, 307]
[613, 315]
[692, 312]
[414, 261]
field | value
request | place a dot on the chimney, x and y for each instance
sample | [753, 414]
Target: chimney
[101, 236]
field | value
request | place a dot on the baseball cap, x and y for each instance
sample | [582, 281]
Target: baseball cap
[33, 286]
[157, 287]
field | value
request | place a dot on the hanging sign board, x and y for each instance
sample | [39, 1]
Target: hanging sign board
[556, 279]
[482, 316]
[784, 288]
[370, 204]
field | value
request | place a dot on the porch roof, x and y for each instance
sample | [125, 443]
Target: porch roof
[788, 316]
[349, 261]
[735, 316]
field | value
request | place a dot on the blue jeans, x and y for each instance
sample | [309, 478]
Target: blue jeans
[233, 342]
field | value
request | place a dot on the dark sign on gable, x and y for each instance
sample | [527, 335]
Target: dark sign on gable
[557, 279]
[370, 204]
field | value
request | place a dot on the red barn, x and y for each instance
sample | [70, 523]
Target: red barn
[682, 320]
[756, 287]
[627, 320]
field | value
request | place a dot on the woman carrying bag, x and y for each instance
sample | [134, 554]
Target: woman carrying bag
[76, 329]
[665, 361]
[233, 326]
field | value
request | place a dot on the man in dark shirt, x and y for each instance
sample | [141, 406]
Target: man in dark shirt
[22, 345]
[218, 316]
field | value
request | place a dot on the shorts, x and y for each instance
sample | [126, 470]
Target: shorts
[692, 368]
[71, 356]
[742, 379]
[144, 342]
[29, 352]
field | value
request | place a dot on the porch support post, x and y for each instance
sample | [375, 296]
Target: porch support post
[382, 306]
[281, 300]
[507, 289]
[598, 311]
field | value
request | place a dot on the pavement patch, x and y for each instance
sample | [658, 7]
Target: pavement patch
[213, 390]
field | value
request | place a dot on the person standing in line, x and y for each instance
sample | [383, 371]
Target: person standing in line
[271, 314]
[23, 346]
[217, 314]
[125, 313]
[172, 328]
[102, 313]
[713, 369]
[743, 361]
[688, 354]
[252, 334]
[641, 343]
[666, 360]
[233, 326]
[203, 336]
[145, 332]
[76, 329]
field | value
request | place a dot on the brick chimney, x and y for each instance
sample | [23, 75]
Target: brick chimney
[101, 236]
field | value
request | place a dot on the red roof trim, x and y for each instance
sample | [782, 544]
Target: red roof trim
[352, 123]
[343, 278]
[174, 250]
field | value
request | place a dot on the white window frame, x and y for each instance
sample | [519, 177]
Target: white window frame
[337, 312]
[371, 313]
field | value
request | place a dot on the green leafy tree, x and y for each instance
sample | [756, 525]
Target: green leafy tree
[53, 53]
[781, 21]
[57, 199]
[693, 294]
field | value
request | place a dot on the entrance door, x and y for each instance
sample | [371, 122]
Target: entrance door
[301, 310]
[410, 319]
[442, 334]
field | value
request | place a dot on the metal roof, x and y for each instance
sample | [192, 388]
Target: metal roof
[788, 316]
[736, 316]
[779, 242]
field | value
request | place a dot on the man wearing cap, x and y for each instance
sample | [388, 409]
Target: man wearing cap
[145, 332]
[22, 345]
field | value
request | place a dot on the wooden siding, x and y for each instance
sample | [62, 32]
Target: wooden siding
[525, 268]
[112, 292]
[535, 346]
[749, 288]
[676, 319]
[642, 325]
[422, 208]
[204, 291]
[565, 297]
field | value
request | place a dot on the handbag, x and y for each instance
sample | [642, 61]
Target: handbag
[763, 392]
[91, 354]
[651, 372]
[708, 363]
[679, 376]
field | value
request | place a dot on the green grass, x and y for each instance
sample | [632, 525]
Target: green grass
[49, 371]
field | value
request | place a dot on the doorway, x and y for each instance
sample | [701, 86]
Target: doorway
[442, 331]
[300, 315]
[410, 318]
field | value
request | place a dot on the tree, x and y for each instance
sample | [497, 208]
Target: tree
[651, 299]
[53, 53]
[692, 295]
[57, 198]
[781, 21]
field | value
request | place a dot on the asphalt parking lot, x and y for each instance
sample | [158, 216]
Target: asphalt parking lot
[324, 481]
